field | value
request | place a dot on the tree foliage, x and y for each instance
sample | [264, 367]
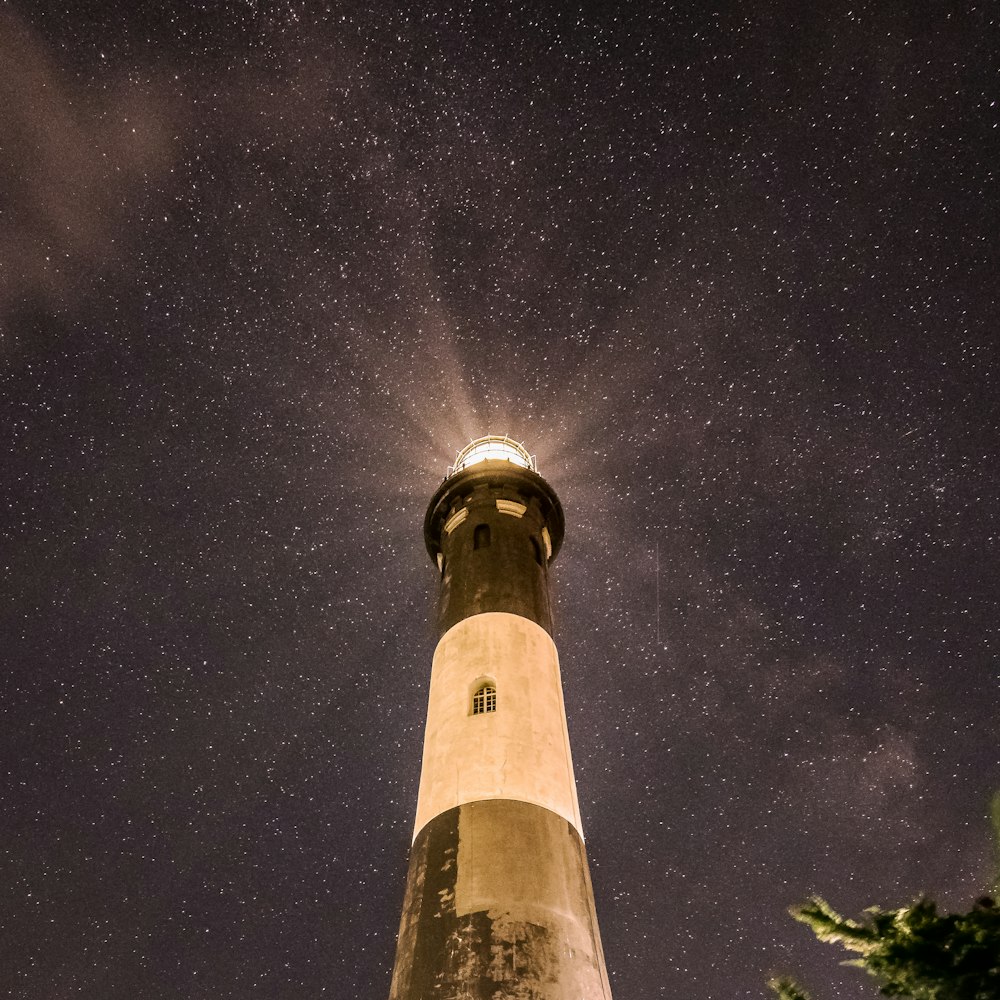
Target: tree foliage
[917, 952]
[788, 989]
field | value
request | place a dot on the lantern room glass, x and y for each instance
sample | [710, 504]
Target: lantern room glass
[493, 448]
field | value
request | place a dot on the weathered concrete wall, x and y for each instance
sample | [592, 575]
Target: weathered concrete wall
[520, 751]
[499, 906]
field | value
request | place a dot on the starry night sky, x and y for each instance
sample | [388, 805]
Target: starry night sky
[729, 271]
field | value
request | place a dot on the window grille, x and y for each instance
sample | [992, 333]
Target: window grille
[484, 700]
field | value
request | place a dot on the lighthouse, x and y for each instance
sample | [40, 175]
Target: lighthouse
[499, 902]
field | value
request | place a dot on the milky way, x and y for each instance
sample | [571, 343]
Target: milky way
[729, 273]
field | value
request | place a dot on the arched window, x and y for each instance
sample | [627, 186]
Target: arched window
[484, 700]
[481, 536]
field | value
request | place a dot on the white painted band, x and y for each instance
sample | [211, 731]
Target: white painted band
[520, 751]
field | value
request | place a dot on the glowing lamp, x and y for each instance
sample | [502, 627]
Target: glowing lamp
[493, 448]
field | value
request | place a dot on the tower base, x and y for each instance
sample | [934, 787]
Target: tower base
[499, 906]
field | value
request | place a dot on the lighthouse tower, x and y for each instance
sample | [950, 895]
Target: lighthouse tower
[498, 902]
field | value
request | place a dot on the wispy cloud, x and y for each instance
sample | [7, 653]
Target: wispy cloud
[73, 168]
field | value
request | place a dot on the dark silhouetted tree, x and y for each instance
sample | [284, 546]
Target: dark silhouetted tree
[915, 951]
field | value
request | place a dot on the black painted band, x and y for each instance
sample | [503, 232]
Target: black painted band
[494, 558]
[499, 903]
